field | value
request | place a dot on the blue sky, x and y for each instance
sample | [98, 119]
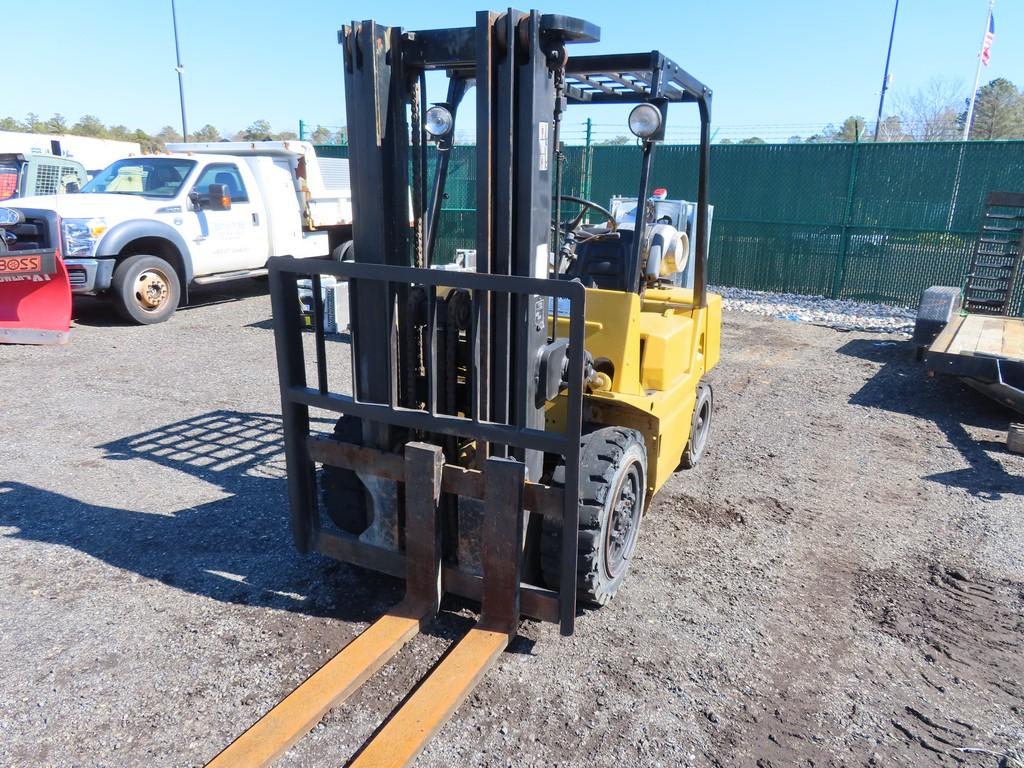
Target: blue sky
[775, 67]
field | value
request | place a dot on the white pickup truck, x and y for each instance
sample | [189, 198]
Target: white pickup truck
[147, 227]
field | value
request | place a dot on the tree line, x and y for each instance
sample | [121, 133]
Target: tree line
[936, 112]
[90, 125]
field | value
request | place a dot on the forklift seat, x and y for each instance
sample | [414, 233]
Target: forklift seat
[603, 262]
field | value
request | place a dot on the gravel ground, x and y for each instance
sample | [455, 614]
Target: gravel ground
[841, 582]
[841, 314]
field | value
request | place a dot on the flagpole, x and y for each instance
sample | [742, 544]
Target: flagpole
[885, 75]
[977, 73]
[181, 73]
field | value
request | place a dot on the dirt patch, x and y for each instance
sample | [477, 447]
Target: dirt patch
[969, 632]
[740, 511]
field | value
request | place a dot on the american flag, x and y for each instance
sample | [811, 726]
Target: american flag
[986, 45]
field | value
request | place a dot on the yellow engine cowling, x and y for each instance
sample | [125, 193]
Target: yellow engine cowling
[658, 348]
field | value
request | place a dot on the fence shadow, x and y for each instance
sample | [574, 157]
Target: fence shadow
[902, 386]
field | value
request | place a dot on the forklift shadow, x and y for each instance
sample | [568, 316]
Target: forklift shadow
[220, 550]
[236, 549]
[343, 337]
[902, 386]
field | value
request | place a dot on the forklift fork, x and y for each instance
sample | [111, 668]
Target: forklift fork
[407, 731]
[410, 727]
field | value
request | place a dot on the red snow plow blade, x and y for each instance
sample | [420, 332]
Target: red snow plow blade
[35, 298]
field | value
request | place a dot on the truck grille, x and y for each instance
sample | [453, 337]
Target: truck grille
[76, 277]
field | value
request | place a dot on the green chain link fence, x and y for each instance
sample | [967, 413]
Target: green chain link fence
[873, 222]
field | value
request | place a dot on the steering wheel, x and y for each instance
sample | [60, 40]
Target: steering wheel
[586, 205]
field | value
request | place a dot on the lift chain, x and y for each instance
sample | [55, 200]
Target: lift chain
[417, 170]
[557, 59]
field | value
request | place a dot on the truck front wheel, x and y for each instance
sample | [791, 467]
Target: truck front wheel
[146, 289]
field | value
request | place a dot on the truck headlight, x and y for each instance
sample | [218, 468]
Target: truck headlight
[81, 235]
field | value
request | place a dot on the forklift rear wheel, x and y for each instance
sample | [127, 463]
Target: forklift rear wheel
[700, 427]
[146, 289]
[613, 483]
[342, 492]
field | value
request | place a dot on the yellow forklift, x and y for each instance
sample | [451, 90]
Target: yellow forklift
[510, 419]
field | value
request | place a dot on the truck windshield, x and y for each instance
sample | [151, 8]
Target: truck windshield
[10, 166]
[144, 176]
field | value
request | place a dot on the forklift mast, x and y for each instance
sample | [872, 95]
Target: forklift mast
[516, 62]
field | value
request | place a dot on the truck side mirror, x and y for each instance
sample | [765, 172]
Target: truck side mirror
[72, 187]
[220, 198]
[196, 199]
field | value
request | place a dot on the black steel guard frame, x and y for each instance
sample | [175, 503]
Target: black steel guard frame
[297, 397]
[651, 78]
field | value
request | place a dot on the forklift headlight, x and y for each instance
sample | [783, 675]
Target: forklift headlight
[438, 121]
[645, 120]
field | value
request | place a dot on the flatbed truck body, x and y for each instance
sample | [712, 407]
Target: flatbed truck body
[986, 351]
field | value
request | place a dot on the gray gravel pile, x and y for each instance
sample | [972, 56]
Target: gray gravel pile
[834, 313]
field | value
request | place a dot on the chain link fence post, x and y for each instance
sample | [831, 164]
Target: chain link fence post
[844, 239]
[588, 161]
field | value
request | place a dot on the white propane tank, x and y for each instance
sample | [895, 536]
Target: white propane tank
[668, 250]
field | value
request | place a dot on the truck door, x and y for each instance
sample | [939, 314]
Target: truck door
[229, 240]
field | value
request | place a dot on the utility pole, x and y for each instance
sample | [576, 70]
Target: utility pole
[181, 73]
[885, 75]
[977, 74]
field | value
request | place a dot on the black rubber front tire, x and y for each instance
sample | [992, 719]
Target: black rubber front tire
[613, 486]
[145, 289]
[700, 427]
[343, 494]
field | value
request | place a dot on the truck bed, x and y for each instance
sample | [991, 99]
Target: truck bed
[985, 350]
